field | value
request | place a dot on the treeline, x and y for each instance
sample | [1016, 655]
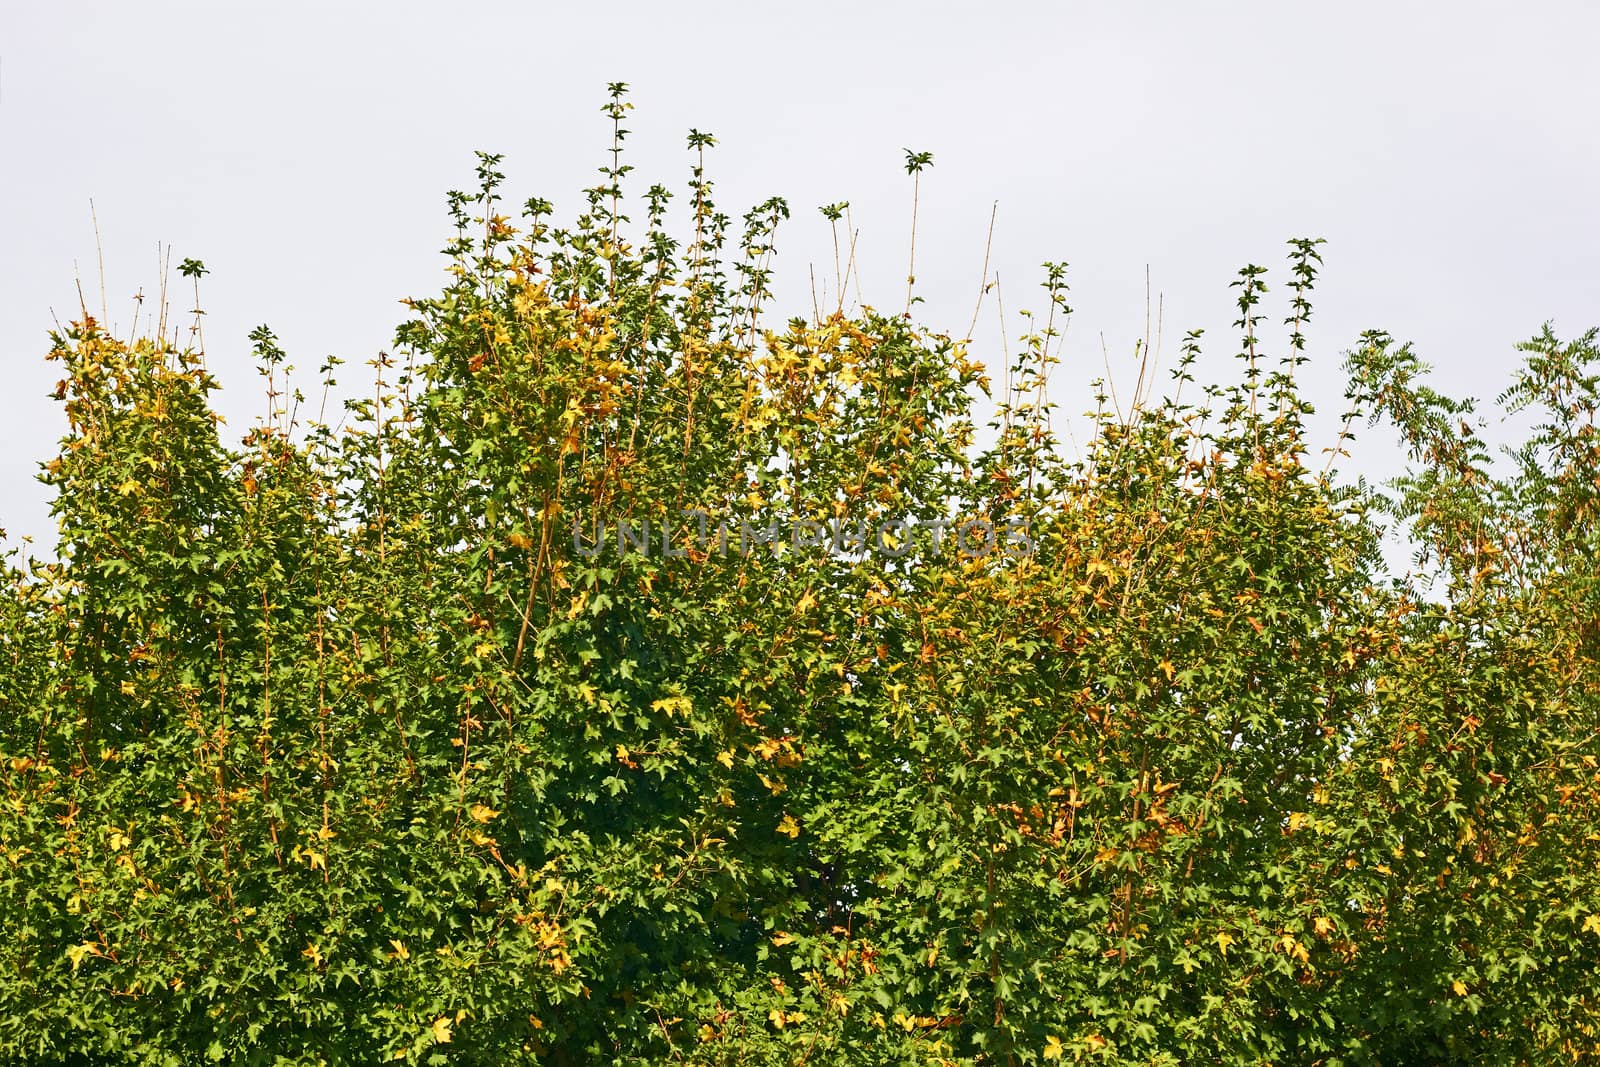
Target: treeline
[332, 746]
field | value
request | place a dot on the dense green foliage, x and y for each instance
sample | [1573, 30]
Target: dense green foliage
[336, 747]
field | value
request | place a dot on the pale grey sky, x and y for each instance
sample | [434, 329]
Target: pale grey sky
[1448, 152]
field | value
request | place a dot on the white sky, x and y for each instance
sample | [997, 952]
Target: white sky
[1448, 152]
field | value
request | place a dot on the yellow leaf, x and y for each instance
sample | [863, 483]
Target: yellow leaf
[789, 826]
[77, 952]
[316, 859]
[1459, 987]
[1323, 925]
[1592, 923]
[780, 938]
[482, 812]
[400, 950]
[725, 757]
[1052, 1047]
[518, 540]
[1167, 669]
[441, 1029]
[1224, 939]
[128, 487]
[673, 705]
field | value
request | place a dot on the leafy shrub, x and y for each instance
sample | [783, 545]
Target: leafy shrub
[350, 744]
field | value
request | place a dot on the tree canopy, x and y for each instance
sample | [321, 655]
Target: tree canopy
[395, 739]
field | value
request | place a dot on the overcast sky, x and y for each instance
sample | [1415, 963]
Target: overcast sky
[1447, 152]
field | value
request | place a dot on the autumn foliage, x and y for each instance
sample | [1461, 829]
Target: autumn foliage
[334, 746]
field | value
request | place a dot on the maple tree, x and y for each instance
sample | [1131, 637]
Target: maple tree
[337, 745]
